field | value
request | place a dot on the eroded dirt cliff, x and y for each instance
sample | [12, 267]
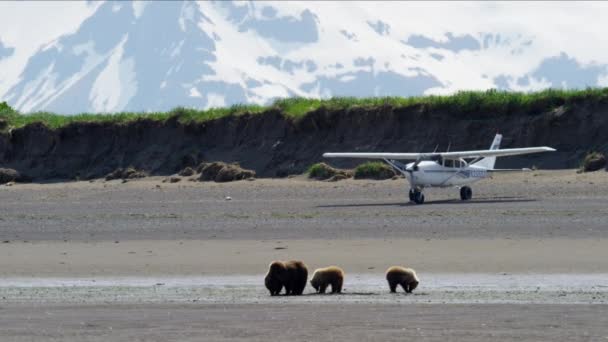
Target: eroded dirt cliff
[275, 145]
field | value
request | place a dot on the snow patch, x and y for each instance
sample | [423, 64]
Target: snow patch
[215, 100]
[116, 7]
[116, 84]
[195, 93]
[138, 8]
[602, 80]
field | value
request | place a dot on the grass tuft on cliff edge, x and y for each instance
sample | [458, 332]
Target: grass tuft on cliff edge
[485, 103]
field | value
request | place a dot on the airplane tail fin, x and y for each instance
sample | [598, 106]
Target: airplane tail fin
[488, 162]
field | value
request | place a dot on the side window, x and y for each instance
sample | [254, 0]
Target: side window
[449, 163]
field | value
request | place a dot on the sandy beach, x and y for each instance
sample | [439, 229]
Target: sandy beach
[147, 260]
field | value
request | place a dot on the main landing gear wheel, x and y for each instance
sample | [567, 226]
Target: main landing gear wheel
[418, 197]
[412, 195]
[466, 193]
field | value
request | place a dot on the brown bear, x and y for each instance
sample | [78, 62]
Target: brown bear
[406, 277]
[291, 274]
[296, 276]
[323, 277]
[273, 282]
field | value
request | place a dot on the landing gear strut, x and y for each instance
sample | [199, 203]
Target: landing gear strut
[466, 193]
[416, 196]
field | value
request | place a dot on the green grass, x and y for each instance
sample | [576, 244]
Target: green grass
[52, 120]
[480, 103]
[374, 170]
[321, 171]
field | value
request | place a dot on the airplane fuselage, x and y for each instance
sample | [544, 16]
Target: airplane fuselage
[432, 174]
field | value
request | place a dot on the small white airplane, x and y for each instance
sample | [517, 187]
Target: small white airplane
[446, 169]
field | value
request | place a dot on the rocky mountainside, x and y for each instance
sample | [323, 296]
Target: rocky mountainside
[157, 55]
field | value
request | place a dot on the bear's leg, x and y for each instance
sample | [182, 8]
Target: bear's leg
[392, 286]
[336, 286]
[288, 289]
[322, 288]
[300, 289]
[405, 287]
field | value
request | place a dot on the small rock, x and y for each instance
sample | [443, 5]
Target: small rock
[223, 172]
[188, 171]
[228, 198]
[8, 175]
[593, 161]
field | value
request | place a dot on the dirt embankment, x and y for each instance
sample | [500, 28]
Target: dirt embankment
[275, 146]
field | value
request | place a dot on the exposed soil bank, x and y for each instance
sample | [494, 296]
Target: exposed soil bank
[274, 145]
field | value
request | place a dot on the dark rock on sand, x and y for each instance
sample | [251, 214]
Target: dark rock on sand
[8, 175]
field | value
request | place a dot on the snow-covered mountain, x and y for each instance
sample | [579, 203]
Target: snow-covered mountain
[74, 57]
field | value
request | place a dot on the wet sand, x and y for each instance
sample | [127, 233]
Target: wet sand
[305, 322]
[236, 257]
[527, 259]
[370, 288]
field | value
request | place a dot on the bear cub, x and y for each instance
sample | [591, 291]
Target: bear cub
[323, 277]
[406, 277]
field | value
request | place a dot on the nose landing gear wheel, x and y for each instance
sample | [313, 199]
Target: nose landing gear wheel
[418, 197]
[466, 193]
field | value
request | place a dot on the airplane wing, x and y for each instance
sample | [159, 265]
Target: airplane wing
[495, 153]
[445, 155]
[525, 169]
[365, 155]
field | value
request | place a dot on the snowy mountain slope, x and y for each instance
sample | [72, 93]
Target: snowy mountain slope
[117, 56]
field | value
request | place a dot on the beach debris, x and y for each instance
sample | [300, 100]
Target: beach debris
[593, 161]
[8, 175]
[223, 172]
[124, 174]
[374, 170]
[322, 171]
[186, 172]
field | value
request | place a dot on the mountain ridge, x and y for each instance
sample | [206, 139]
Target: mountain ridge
[155, 56]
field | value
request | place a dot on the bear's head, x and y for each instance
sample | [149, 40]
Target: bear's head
[276, 268]
[413, 285]
[314, 282]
